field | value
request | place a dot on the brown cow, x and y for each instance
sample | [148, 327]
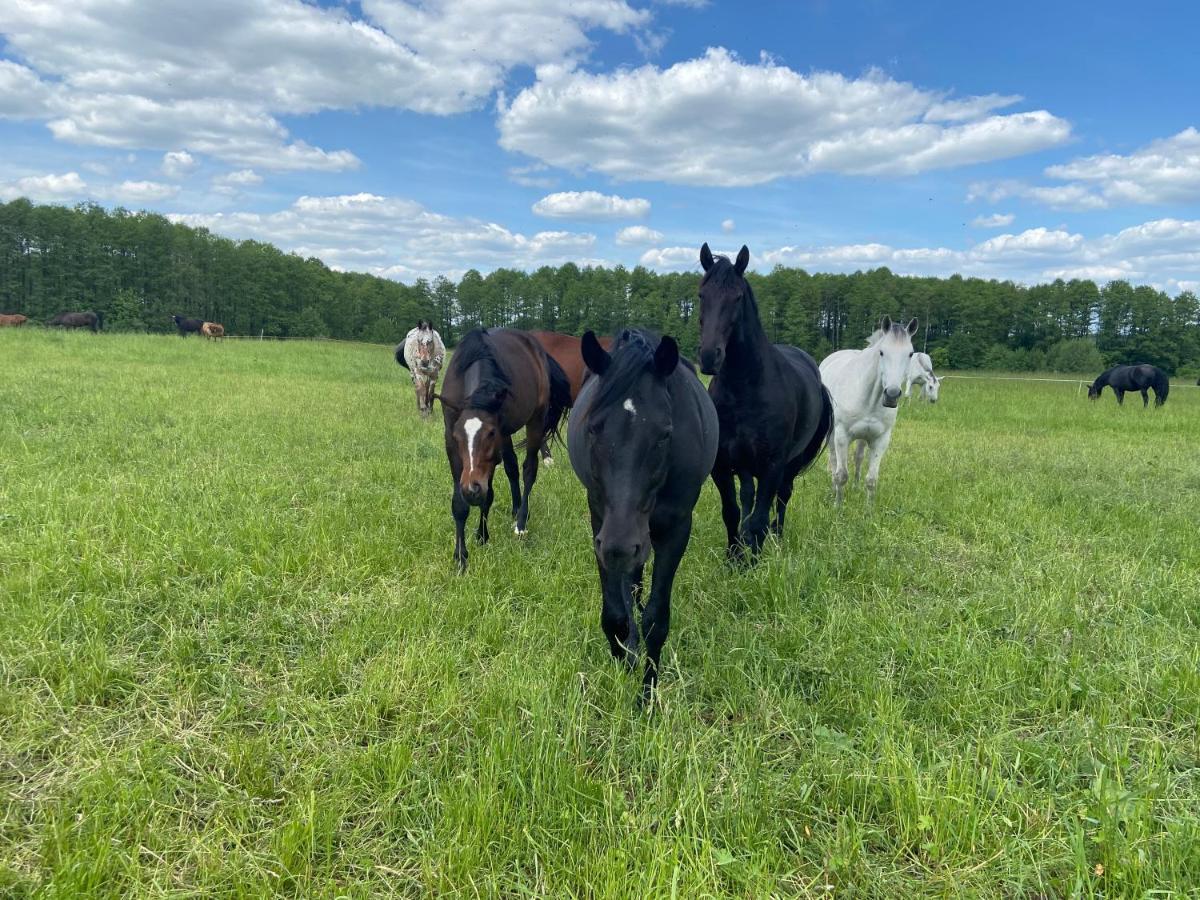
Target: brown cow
[14, 321]
[212, 330]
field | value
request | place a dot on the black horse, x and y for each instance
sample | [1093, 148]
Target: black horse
[1133, 378]
[187, 326]
[775, 414]
[642, 439]
[92, 320]
[500, 381]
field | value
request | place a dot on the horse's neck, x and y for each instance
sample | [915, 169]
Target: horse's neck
[862, 378]
[748, 347]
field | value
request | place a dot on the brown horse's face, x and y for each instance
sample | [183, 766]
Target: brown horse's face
[478, 444]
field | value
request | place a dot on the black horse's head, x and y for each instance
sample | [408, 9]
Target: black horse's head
[722, 292]
[629, 430]
[1095, 390]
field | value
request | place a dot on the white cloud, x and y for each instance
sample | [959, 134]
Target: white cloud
[996, 220]
[22, 93]
[141, 191]
[44, 188]
[728, 226]
[215, 76]
[716, 120]
[638, 235]
[178, 163]
[530, 176]
[395, 237]
[233, 183]
[1163, 172]
[1164, 252]
[590, 205]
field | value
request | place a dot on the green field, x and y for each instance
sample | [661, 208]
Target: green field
[234, 657]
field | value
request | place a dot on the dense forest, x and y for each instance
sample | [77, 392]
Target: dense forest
[140, 268]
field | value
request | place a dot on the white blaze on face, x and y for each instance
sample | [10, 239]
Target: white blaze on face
[629, 407]
[471, 427]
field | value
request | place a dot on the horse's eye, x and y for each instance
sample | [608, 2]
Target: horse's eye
[912, 352]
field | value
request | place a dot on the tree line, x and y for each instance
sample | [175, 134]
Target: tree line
[139, 268]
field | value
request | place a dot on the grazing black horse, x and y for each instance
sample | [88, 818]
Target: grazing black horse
[642, 439]
[1133, 378]
[94, 321]
[187, 326]
[500, 381]
[775, 414]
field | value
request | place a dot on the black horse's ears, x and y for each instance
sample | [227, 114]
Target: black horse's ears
[912, 326]
[706, 260]
[666, 357]
[743, 260]
[595, 357]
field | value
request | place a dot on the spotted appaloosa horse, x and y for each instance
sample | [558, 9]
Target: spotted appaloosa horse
[212, 330]
[422, 353]
[16, 320]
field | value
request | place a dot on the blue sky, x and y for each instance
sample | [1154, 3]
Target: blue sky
[1020, 140]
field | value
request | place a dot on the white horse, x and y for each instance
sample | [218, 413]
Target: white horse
[422, 354]
[865, 386]
[920, 371]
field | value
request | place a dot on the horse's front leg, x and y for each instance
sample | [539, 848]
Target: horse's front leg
[840, 463]
[722, 476]
[757, 522]
[1145, 398]
[860, 450]
[460, 509]
[878, 448]
[656, 618]
[1120, 397]
[529, 471]
[511, 469]
[481, 533]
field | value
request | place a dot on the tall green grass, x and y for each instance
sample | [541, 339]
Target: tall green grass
[235, 660]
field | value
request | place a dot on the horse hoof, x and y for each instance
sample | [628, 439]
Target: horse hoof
[548, 461]
[520, 532]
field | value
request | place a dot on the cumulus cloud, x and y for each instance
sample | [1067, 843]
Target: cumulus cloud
[728, 226]
[717, 120]
[996, 220]
[44, 188]
[215, 76]
[638, 235]
[141, 191]
[178, 163]
[1163, 252]
[1163, 172]
[532, 176]
[590, 205]
[395, 236]
[232, 183]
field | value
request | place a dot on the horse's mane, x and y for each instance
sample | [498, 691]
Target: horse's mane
[475, 348]
[897, 330]
[632, 356]
[725, 275]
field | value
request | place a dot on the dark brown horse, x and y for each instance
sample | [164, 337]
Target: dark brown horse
[16, 320]
[187, 326]
[565, 350]
[94, 321]
[499, 382]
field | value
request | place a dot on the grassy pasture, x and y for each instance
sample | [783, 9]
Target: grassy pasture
[234, 658]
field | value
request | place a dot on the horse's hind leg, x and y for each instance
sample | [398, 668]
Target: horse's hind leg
[781, 502]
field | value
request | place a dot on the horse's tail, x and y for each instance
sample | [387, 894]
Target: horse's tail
[560, 399]
[1162, 385]
[400, 355]
[821, 436]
